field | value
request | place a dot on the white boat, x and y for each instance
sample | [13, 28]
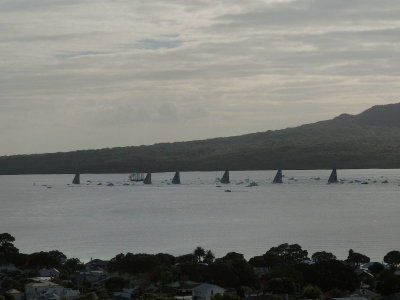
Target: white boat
[136, 177]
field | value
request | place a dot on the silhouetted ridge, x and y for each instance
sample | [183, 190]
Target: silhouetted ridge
[381, 115]
[368, 140]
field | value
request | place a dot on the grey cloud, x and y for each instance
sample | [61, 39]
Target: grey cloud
[78, 54]
[157, 44]
[178, 69]
[315, 13]
[27, 5]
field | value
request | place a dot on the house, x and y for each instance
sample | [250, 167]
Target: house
[53, 273]
[16, 294]
[204, 291]
[48, 291]
[364, 275]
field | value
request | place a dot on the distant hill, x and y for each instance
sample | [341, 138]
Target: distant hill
[370, 139]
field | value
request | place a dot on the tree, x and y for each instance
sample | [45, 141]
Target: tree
[199, 253]
[186, 258]
[329, 275]
[376, 268]
[73, 264]
[9, 297]
[209, 257]
[257, 261]
[115, 284]
[43, 259]
[7, 247]
[281, 285]
[388, 283]
[356, 259]
[311, 292]
[233, 255]
[162, 274]
[223, 273]
[392, 258]
[285, 271]
[58, 255]
[285, 254]
[322, 256]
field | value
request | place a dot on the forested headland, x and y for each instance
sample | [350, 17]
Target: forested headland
[370, 139]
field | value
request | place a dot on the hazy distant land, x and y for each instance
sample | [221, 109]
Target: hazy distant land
[370, 139]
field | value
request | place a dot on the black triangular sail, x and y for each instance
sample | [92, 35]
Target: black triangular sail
[76, 179]
[147, 180]
[333, 177]
[278, 177]
[225, 177]
[177, 178]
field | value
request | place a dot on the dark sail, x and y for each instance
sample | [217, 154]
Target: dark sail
[147, 180]
[278, 177]
[225, 178]
[76, 179]
[177, 178]
[333, 177]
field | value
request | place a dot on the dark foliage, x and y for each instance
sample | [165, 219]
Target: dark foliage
[232, 270]
[356, 259]
[376, 268]
[115, 284]
[138, 263]
[258, 261]
[52, 259]
[329, 275]
[8, 251]
[281, 285]
[388, 283]
[187, 258]
[73, 265]
[392, 258]
[285, 254]
[323, 256]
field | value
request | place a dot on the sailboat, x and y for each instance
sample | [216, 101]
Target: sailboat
[177, 178]
[278, 177]
[225, 177]
[76, 179]
[333, 177]
[147, 180]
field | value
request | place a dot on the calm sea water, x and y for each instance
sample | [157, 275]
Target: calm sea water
[88, 221]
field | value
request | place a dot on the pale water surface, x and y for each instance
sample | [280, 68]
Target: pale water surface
[99, 221]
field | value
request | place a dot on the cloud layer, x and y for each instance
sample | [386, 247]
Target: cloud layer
[89, 74]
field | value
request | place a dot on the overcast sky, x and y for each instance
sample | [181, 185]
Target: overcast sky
[86, 74]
